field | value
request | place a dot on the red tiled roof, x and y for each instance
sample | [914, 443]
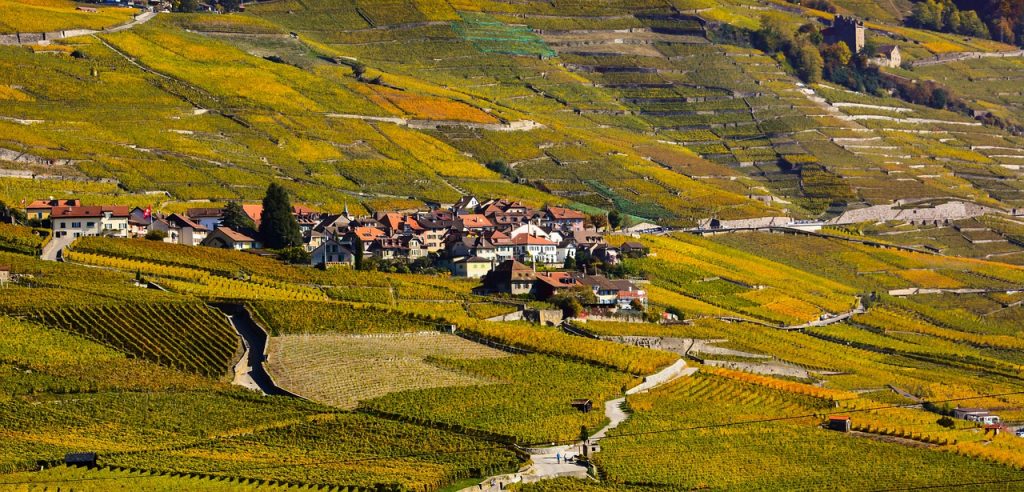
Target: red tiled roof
[527, 239]
[90, 211]
[254, 211]
[38, 204]
[475, 221]
[367, 233]
[557, 280]
[560, 213]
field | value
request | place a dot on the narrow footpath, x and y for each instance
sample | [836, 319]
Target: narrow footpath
[549, 463]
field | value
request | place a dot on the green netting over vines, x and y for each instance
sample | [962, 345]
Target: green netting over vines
[490, 35]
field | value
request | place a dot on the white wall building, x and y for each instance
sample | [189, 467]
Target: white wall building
[90, 221]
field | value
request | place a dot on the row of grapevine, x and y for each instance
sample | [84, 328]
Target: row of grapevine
[187, 336]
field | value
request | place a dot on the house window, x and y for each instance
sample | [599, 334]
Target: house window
[90, 224]
[76, 225]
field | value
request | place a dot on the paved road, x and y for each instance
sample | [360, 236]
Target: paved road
[250, 371]
[55, 246]
[546, 462]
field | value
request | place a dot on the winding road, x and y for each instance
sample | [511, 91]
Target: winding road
[548, 463]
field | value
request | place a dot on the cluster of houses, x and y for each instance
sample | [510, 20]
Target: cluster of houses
[473, 239]
[513, 277]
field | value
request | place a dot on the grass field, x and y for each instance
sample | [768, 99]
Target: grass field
[342, 370]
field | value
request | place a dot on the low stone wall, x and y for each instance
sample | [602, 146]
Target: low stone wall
[547, 317]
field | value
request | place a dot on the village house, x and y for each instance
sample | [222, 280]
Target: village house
[466, 203]
[306, 216]
[553, 283]
[887, 55]
[333, 224]
[503, 248]
[466, 246]
[330, 253]
[79, 221]
[613, 293]
[210, 218]
[535, 230]
[433, 239]
[605, 253]
[632, 249]
[513, 277]
[535, 249]
[40, 209]
[475, 223]
[366, 235]
[510, 277]
[180, 230]
[224, 237]
[471, 267]
[564, 219]
[567, 249]
[138, 222]
[313, 239]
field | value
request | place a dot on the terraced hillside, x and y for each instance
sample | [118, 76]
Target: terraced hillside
[897, 301]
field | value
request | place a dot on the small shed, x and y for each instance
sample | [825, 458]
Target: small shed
[5, 274]
[80, 459]
[633, 249]
[582, 404]
[839, 423]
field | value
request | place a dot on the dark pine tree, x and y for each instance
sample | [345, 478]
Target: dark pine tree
[236, 218]
[278, 227]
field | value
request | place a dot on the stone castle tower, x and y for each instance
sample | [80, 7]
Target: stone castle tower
[848, 30]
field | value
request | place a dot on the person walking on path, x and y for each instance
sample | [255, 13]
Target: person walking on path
[558, 458]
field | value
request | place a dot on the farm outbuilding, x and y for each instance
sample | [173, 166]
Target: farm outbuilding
[582, 404]
[839, 423]
[80, 459]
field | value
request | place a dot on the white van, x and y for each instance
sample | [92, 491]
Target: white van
[989, 419]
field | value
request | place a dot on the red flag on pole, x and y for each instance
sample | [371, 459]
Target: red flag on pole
[148, 213]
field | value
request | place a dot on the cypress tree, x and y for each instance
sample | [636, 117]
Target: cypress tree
[278, 227]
